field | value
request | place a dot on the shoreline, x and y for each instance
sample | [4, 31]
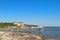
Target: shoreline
[18, 36]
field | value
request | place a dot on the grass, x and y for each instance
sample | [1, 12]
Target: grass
[4, 25]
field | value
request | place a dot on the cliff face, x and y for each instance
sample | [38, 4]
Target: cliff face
[18, 36]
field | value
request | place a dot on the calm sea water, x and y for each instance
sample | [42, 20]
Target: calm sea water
[49, 33]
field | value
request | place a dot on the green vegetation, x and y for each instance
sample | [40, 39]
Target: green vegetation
[9, 25]
[3, 25]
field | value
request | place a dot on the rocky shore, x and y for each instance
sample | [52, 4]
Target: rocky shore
[18, 36]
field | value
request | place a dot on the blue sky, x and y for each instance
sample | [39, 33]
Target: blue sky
[41, 12]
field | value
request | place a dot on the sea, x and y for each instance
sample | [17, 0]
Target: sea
[51, 33]
[48, 33]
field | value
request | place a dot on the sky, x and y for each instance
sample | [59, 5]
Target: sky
[40, 12]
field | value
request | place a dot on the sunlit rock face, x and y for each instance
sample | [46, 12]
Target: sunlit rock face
[18, 36]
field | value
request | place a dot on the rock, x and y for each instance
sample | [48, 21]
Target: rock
[18, 36]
